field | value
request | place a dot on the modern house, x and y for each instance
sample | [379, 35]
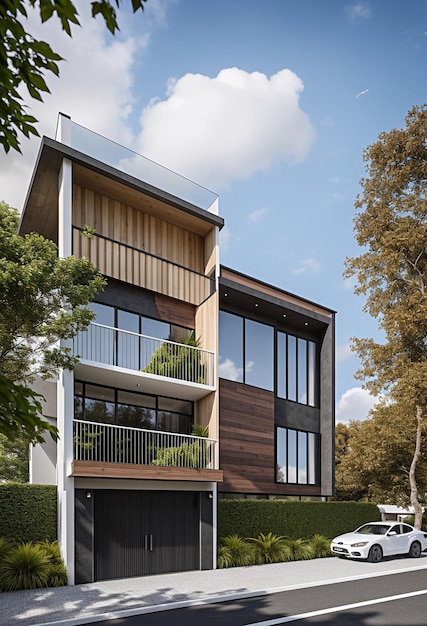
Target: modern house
[194, 381]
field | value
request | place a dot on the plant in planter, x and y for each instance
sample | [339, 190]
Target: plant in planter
[178, 361]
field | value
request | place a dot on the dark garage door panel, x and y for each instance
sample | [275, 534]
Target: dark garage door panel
[139, 533]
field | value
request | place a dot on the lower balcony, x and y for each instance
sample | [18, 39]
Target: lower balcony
[110, 451]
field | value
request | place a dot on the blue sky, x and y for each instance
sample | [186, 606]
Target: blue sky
[270, 104]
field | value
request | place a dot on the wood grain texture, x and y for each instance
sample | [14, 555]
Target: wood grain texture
[247, 446]
[92, 469]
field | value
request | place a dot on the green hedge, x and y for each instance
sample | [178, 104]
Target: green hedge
[249, 518]
[28, 512]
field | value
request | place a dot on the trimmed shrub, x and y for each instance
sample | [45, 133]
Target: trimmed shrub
[293, 519]
[28, 512]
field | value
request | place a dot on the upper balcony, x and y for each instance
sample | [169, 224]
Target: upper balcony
[123, 358]
[132, 265]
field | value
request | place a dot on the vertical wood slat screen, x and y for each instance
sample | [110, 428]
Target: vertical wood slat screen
[122, 262]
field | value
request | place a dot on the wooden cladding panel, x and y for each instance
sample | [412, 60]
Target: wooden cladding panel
[147, 472]
[178, 249]
[174, 312]
[133, 227]
[247, 446]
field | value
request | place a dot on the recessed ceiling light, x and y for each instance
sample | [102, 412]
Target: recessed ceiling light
[226, 294]
[256, 304]
[284, 315]
[305, 323]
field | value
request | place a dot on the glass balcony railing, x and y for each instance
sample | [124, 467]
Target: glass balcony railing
[112, 346]
[108, 443]
[138, 166]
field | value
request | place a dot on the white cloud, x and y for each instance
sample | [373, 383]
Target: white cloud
[359, 11]
[255, 216]
[343, 353]
[216, 130]
[354, 404]
[228, 370]
[94, 88]
[307, 265]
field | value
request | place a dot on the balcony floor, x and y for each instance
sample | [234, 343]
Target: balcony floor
[120, 377]
[92, 469]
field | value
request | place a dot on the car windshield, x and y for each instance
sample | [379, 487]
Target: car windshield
[373, 529]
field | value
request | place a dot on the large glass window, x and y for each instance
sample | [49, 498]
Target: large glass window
[96, 403]
[302, 371]
[128, 349]
[259, 355]
[292, 368]
[297, 457]
[296, 369]
[231, 346]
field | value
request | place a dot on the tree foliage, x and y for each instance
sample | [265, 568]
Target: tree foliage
[14, 459]
[375, 462]
[43, 299]
[391, 226]
[25, 60]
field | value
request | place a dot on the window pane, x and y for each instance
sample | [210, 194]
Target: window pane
[312, 377]
[104, 314]
[156, 331]
[178, 406]
[128, 342]
[155, 328]
[281, 365]
[281, 473]
[302, 371]
[99, 411]
[302, 457]
[292, 456]
[230, 347]
[292, 368]
[100, 342]
[136, 416]
[312, 459]
[259, 355]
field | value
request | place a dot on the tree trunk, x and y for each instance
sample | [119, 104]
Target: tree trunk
[412, 479]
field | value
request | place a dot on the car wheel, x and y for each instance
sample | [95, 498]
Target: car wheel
[415, 550]
[375, 554]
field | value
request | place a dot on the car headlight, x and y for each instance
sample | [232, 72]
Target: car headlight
[360, 544]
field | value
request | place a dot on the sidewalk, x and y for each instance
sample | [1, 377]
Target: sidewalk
[81, 604]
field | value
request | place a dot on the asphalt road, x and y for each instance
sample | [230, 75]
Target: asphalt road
[393, 600]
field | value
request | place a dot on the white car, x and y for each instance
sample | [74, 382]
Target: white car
[374, 540]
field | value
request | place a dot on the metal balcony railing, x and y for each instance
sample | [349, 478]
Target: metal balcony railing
[108, 443]
[122, 348]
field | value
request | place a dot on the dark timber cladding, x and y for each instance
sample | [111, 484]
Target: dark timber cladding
[247, 451]
[247, 438]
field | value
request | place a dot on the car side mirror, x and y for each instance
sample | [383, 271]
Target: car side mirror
[392, 533]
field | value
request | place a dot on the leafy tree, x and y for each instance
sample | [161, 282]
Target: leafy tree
[391, 227]
[14, 459]
[42, 299]
[25, 60]
[376, 462]
[350, 482]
